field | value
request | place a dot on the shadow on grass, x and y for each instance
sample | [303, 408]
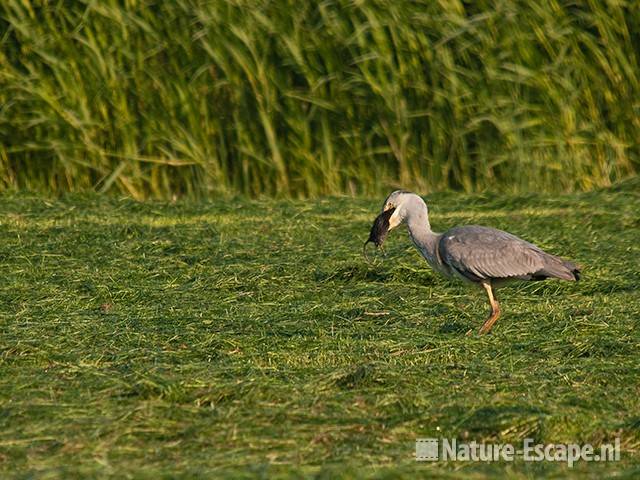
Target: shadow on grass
[352, 273]
[376, 273]
[356, 377]
[454, 328]
[500, 422]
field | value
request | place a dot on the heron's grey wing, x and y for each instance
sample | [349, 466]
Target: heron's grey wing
[480, 253]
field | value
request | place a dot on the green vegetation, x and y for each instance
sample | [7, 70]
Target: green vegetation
[250, 339]
[290, 98]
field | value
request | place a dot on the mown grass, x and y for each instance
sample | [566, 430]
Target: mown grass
[262, 97]
[243, 338]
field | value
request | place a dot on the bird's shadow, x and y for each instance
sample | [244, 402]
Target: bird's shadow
[453, 327]
[353, 273]
[492, 421]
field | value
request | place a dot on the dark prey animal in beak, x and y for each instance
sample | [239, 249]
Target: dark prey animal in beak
[379, 230]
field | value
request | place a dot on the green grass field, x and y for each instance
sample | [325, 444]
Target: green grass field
[247, 338]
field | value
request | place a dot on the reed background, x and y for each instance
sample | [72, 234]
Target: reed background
[287, 98]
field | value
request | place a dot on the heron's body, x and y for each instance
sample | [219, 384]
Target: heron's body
[473, 253]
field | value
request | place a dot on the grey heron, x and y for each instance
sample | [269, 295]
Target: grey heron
[476, 254]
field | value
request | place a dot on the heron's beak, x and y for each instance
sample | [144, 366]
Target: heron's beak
[379, 230]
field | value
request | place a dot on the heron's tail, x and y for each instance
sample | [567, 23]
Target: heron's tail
[557, 267]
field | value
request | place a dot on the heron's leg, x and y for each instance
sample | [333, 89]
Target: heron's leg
[495, 309]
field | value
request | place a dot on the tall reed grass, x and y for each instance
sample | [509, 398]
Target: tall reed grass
[283, 97]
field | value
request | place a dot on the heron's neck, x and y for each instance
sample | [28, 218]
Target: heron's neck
[425, 239]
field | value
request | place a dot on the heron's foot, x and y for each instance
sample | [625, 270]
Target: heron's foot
[488, 324]
[484, 331]
[495, 309]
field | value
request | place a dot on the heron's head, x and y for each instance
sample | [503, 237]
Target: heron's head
[397, 208]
